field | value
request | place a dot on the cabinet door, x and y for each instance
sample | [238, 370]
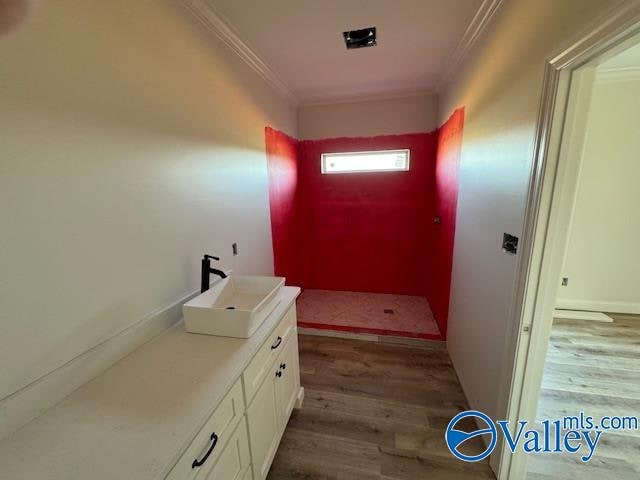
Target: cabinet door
[264, 426]
[260, 366]
[234, 461]
[288, 382]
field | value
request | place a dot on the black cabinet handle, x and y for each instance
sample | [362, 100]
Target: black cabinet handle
[283, 366]
[278, 374]
[277, 344]
[199, 463]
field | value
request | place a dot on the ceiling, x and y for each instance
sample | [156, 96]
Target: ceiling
[300, 42]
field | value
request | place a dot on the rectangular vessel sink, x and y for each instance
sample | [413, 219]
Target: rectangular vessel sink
[234, 307]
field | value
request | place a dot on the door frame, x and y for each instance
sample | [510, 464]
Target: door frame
[548, 212]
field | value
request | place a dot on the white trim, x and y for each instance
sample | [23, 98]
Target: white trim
[517, 336]
[595, 306]
[388, 95]
[621, 74]
[586, 315]
[205, 12]
[25, 404]
[540, 263]
[476, 27]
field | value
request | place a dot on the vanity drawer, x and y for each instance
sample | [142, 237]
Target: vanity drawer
[235, 461]
[206, 448]
[260, 366]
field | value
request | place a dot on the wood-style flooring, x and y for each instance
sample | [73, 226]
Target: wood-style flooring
[592, 367]
[373, 411]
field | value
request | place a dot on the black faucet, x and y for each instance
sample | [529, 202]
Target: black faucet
[206, 270]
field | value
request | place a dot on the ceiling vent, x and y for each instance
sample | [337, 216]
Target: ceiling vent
[365, 37]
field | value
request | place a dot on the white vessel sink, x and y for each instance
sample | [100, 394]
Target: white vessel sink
[234, 307]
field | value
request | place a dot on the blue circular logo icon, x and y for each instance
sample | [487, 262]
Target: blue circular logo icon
[456, 438]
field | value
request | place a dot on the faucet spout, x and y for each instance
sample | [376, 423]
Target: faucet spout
[206, 270]
[220, 273]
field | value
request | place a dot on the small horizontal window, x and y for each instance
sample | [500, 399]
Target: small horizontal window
[357, 162]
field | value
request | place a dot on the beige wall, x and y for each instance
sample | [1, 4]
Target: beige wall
[132, 142]
[603, 261]
[499, 85]
[368, 118]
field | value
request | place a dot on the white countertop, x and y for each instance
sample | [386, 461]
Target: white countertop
[134, 420]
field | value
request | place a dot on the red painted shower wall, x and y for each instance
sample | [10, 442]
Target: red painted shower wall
[282, 166]
[446, 200]
[366, 232]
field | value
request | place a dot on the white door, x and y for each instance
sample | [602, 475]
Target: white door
[264, 424]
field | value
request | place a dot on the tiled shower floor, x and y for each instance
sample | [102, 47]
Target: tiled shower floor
[405, 315]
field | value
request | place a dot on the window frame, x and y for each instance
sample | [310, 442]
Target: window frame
[324, 156]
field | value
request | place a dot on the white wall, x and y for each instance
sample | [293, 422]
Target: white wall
[132, 142]
[603, 261]
[499, 85]
[409, 114]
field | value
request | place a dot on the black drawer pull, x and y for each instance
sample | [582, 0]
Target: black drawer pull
[199, 463]
[277, 344]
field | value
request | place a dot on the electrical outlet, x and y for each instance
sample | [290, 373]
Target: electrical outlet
[565, 281]
[234, 248]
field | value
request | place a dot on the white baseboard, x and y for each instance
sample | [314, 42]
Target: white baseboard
[595, 306]
[582, 315]
[27, 403]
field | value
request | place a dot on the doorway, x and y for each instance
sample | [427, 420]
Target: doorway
[558, 331]
[592, 363]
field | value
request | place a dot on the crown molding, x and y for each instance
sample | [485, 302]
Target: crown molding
[388, 95]
[617, 74]
[476, 27]
[205, 12]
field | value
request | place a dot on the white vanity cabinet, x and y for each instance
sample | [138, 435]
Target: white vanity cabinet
[241, 437]
[182, 406]
[271, 407]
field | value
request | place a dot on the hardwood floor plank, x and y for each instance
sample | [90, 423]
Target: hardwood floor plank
[310, 454]
[592, 367]
[563, 468]
[345, 426]
[374, 411]
[401, 465]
